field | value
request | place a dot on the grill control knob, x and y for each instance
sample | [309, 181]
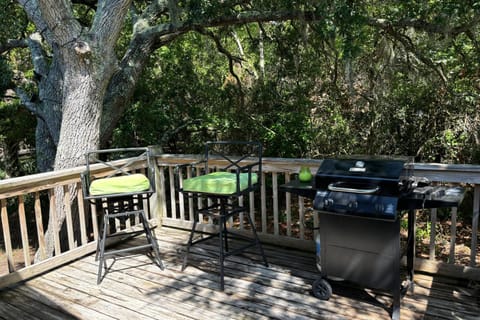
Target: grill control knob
[328, 202]
[352, 205]
[379, 207]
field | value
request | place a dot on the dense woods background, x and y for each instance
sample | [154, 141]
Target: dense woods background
[362, 77]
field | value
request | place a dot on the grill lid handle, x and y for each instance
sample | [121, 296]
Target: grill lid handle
[335, 186]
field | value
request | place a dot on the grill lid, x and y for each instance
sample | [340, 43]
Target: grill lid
[364, 175]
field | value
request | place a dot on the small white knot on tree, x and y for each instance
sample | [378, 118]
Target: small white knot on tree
[82, 48]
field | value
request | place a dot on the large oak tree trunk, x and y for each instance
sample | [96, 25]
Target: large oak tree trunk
[74, 87]
[83, 93]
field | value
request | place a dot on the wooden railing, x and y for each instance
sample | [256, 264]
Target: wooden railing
[27, 204]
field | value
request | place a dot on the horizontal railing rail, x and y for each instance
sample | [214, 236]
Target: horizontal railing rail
[27, 204]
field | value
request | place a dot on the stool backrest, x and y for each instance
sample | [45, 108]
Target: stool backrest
[116, 162]
[240, 156]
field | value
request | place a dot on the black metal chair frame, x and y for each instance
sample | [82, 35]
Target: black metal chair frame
[121, 206]
[224, 206]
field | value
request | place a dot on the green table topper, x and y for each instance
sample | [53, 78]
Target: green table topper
[218, 183]
[120, 184]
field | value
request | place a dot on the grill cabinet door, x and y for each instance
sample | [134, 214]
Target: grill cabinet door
[362, 250]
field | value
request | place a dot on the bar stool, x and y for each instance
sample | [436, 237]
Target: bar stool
[121, 199]
[222, 186]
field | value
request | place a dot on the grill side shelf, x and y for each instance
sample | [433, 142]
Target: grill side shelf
[304, 189]
[436, 197]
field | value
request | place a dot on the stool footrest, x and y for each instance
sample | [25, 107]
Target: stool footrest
[124, 214]
[129, 234]
[102, 254]
[136, 248]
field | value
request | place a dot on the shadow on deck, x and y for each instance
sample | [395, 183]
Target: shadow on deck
[135, 288]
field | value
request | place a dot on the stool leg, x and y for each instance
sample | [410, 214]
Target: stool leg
[99, 241]
[151, 239]
[189, 244]
[101, 223]
[223, 222]
[257, 240]
[223, 240]
[101, 255]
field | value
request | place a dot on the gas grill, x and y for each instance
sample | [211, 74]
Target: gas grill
[359, 201]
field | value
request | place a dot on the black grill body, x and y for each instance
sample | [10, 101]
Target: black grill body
[357, 202]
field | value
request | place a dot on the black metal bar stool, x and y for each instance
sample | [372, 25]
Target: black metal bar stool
[221, 186]
[121, 199]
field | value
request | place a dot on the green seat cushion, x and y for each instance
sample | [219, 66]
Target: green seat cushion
[120, 184]
[218, 183]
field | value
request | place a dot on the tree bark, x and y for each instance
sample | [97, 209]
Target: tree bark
[72, 94]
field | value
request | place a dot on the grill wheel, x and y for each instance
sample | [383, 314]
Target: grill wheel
[322, 289]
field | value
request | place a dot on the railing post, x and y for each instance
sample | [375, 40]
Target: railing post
[453, 235]
[288, 209]
[39, 224]
[173, 206]
[158, 201]
[24, 230]
[476, 207]
[433, 233]
[6, 235]
[263, 203]
[276, 229]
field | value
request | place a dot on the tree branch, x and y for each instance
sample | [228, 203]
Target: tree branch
[167, 135]
[422, 25]
[28, 103]
[409, 46]
[13, 44]
[58, 17]
[238, 19]
[231, 58]
[40, 66]
[109, 20]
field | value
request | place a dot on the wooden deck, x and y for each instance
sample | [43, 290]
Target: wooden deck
[135, 288]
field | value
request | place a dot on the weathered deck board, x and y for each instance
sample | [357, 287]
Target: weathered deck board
[135, 288]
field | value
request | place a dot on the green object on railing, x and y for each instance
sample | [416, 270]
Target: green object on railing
[305, 175]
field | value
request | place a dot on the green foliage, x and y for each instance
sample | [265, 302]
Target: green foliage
[177, 92]
[6, 75]
[17, 125]
[16, 131]
[282, 123]
[14, 21]
[423, 234]
[335, 85]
